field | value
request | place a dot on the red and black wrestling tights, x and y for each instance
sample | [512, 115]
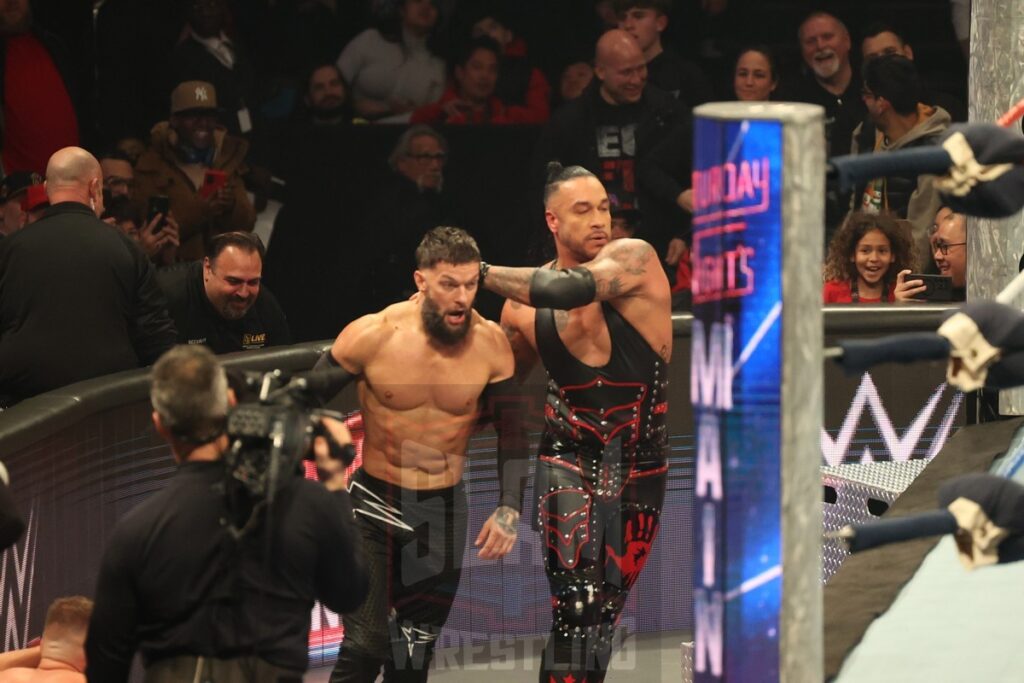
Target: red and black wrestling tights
[599, 521]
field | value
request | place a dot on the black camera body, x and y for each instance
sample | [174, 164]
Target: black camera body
[272, 434]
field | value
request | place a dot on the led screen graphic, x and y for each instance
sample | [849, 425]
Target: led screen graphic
[734, 382]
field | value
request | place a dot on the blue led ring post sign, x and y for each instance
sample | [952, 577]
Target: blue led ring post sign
[756, 388]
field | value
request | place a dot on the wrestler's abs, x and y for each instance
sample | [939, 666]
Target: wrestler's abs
[416, 434]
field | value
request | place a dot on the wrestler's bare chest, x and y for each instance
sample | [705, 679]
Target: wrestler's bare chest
[407, 374]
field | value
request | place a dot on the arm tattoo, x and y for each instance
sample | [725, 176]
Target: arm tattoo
[511, 332]
[609, 289]
[632, 257]
[507, 519]
[511, 283]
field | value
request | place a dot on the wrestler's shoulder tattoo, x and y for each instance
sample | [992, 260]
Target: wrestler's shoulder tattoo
[632, 255]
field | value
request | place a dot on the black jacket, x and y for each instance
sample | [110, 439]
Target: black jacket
[682, 79]
[199, 323]
[173, 581]
[571, 138]
[78, 299]
[402, 215]
[843, 112]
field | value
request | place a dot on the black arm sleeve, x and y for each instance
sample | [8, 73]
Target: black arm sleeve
[562, 289]
[326, 362]
[506, 406]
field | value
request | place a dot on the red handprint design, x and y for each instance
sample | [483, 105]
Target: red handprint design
[637, 543]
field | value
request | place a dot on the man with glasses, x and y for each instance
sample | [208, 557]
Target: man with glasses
[194, 162]
[220, 301]
[948, 236]
[118, 174]
[408, 204]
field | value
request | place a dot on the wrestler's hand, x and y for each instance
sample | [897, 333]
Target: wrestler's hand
[331, 470]
[498, 534]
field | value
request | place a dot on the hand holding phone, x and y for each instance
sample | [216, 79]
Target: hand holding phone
[158, 205]
[937, 287]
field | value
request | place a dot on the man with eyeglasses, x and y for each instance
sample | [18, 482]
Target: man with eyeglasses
[118, 174]
[198, 165]
[948, 236]
[412, 201]
[220, 301]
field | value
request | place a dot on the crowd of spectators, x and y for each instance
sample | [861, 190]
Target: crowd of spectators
[344, 129]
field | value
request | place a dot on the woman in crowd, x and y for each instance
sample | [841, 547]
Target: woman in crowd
[391, 68]
[868, 259]
[755, 76]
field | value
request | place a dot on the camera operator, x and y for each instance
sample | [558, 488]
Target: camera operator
[200, 601]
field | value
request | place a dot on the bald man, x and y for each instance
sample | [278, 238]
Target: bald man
[62, 650]
[77, 297]
[612, 130]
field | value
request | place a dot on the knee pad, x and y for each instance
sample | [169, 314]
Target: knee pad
[412, 645]
[577, 605]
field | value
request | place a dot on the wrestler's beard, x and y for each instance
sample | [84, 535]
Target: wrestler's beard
[436, 327]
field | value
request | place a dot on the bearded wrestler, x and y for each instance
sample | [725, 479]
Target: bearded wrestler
[426, 369]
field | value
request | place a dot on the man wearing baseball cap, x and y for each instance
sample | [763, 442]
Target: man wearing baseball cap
[198, 166]
[12, 190]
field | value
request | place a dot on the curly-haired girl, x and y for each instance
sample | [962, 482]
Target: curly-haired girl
[867, 260]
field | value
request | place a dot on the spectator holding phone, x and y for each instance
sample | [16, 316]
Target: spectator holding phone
[198, 166]
[156, 233]
[868, 260]
[948, 238]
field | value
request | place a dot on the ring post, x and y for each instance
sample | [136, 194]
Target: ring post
[996, 83]
[756, 388]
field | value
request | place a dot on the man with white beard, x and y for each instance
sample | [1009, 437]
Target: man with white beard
[831, 82]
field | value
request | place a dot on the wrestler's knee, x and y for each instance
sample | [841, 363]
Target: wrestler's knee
[411, 644]
[369, 640]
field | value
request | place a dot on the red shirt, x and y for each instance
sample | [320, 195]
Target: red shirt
[38, 116]
[839, 292]
[495, 113]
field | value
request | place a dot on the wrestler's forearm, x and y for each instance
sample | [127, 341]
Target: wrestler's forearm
[561, 289]
[511, 283]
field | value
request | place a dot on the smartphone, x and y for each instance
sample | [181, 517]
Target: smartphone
[939, 287]
[158, 204]
[213, 180]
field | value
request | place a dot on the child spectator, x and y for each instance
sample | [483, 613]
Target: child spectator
[867, 260]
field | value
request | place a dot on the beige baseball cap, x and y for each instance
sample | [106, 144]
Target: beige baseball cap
[192, 95]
